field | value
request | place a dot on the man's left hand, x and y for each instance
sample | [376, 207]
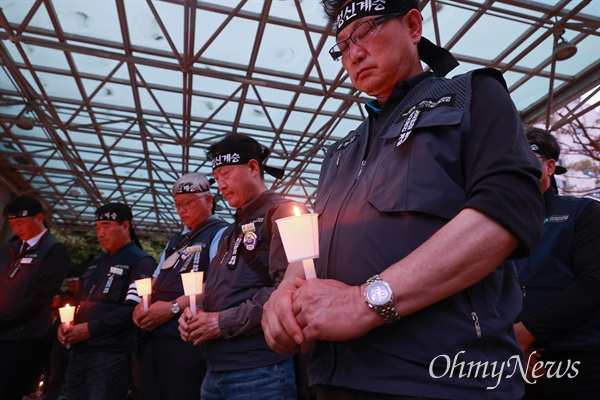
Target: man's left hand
[76, 333]
[202, 327]
[157, 314]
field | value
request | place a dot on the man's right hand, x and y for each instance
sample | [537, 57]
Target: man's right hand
[281, 330]
[184, 324]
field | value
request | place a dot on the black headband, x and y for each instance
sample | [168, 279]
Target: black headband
[358, 9]
[241, 158]
[118, 212]
[21, 214]
[22, 206]
[548, 154]
[189, 187]
[440, 60]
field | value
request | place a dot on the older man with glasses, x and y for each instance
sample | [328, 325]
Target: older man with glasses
[172, 368]
[419, 209]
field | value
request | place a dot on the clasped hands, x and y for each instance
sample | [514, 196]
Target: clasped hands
[200, 327]
[301, 312]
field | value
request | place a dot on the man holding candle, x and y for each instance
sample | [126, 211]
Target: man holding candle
[102, 335]
[32, 269]
[419, 209]
[248, 266]
[172, 368]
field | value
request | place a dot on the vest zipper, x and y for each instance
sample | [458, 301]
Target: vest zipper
[474, 315]
[477, 327]
[362, 165]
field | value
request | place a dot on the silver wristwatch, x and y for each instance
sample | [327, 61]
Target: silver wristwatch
[175, 309]
[379, 296]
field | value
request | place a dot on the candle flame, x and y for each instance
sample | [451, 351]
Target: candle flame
[296, 211]
[41, 384]
[67, 306]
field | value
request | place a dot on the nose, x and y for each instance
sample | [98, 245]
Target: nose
[356, 52]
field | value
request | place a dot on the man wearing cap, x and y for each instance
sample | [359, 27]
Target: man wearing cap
[172, 368]
[32, 269]
[103, 334]
[560, 321]
[248, 266]
[419, 208]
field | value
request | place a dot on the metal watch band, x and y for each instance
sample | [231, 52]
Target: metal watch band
[387, 310]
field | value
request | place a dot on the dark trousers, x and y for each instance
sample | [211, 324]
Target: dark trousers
[583, 384]
[171, 369]
[21, 363]
[59, 357]
[98, 376]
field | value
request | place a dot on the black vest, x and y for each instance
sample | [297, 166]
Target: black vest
[168, 285]
[548, 271]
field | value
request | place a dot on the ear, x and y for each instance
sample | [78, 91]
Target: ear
[551, 166]
[414, 23]
[254, 167]
[126, 225]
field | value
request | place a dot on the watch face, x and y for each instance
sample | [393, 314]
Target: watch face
[175, 308]
[379, 293]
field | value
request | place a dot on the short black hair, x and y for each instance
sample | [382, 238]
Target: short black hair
[23, 206]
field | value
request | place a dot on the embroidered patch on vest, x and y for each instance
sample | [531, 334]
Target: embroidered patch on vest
[556, 218]
[415, 112]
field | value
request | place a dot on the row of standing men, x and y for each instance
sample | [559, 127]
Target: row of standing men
[422, 210]
[175, 345]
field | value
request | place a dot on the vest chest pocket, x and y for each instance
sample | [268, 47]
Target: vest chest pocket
[113, 287]
[423, 173]
[110, 286]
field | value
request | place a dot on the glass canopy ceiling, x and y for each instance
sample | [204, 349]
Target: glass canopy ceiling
[108, 100]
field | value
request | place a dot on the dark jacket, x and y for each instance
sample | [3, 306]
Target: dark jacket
[106, 305]
[238, 293]
[441, 149]
[549, 271]
[26, 298]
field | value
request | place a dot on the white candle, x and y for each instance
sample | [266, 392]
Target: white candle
[300, 238]
[144, 289]
[192, 286]
[67, 314]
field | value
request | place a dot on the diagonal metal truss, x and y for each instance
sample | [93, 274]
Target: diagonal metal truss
[120, 116]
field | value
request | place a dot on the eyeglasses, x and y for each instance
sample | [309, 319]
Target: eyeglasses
[361, 33]
[187, 204]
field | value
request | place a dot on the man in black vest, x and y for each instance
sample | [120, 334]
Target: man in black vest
[420, 208]
[560, 322]
[171, 368]
[103, 334]
[32, 269]
[248, 266]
